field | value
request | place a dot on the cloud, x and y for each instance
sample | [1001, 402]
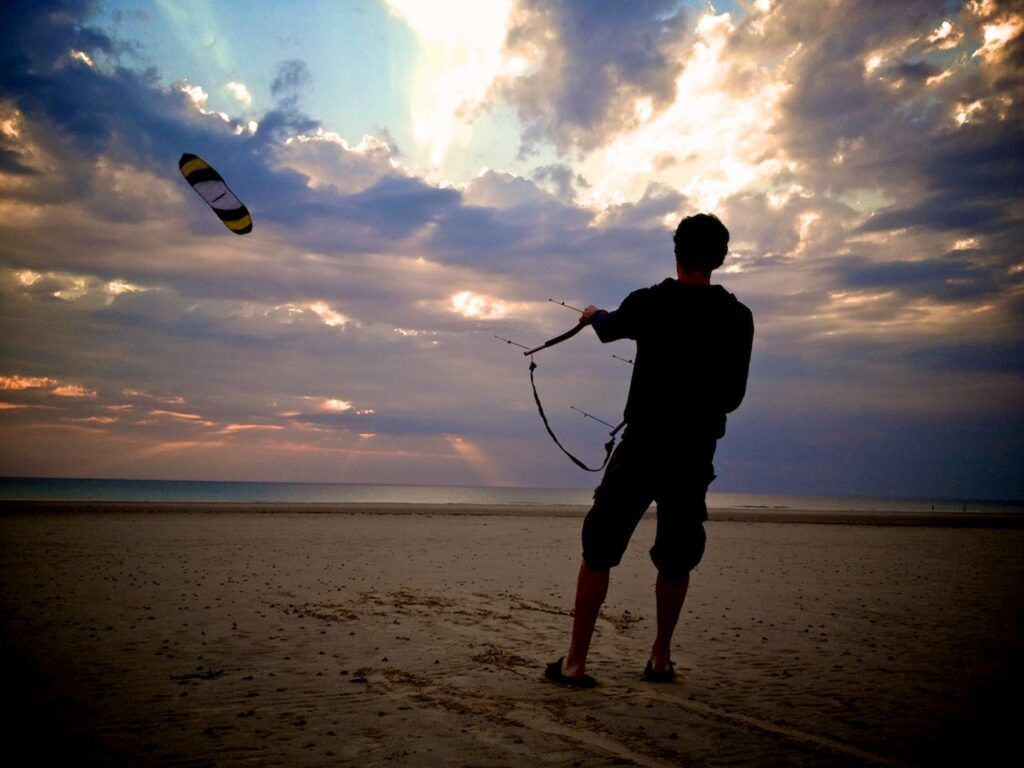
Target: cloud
[591, 68]
[73, 390]
[26, 382]
[503, 190]
[44, 385]
[861, 97]
[476, 305]
[333, 405]
[714, 137]
[291, 80]
[327, 160]
[562, 179]
[240, 91]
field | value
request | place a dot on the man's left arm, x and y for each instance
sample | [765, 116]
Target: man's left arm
[738, 367]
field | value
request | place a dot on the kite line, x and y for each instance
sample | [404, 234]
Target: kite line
[530, 352]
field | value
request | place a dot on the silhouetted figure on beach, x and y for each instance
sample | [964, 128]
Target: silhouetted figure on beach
[693, 342]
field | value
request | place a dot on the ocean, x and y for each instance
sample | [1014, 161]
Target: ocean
[82, 489]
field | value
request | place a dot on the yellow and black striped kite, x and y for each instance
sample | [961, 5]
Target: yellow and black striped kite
[214, 190]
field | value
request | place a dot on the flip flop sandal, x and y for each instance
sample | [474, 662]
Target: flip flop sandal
[553, 672]
[661, 676]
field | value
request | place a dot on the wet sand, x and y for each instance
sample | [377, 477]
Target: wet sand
[391, 635]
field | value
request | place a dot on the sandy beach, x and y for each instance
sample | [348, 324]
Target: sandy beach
[392, 635]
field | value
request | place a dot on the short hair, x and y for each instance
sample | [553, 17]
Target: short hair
[701, 242]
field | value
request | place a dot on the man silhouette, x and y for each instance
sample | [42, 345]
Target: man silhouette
[693, 343]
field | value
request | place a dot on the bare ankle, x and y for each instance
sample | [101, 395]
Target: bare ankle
[660, 656]
[573, 667]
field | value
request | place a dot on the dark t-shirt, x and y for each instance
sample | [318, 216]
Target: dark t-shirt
[693, 347]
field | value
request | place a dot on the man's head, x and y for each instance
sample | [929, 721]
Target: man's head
[701, 242]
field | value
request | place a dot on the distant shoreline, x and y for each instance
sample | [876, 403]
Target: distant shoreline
[733, 515]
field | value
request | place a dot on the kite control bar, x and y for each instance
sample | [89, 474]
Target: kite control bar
[557, 340]
[563, 337]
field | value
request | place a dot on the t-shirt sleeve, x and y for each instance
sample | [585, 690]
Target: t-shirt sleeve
[625, 322]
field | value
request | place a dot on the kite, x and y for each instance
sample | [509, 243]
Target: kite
[214, 190]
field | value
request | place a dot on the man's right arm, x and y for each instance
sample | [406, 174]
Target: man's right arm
[623, 323]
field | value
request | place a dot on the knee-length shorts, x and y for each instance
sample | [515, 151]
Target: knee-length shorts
[676, 477]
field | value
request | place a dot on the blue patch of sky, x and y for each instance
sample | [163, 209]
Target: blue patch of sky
[358, 54]
[695, 8]
[720, 6]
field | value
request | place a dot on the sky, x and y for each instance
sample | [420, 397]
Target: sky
[423, 177]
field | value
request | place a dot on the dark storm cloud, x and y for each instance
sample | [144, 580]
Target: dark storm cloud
[947, 278]
[12, 161]
[896, 132]
[970, 180]
[597, 59]
[400, 205]
[544, 246]
[917, 71]
[519, 232]
[35, 35]
[949, 212]
[465, 234]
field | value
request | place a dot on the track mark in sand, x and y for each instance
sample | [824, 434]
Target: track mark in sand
[522, 604]
[470, 611]
[499, 613]
[620, 622]
[776, 729]
[498, 657]
[588, 738]
[323, 611]
[210, 674]
[507, 712]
